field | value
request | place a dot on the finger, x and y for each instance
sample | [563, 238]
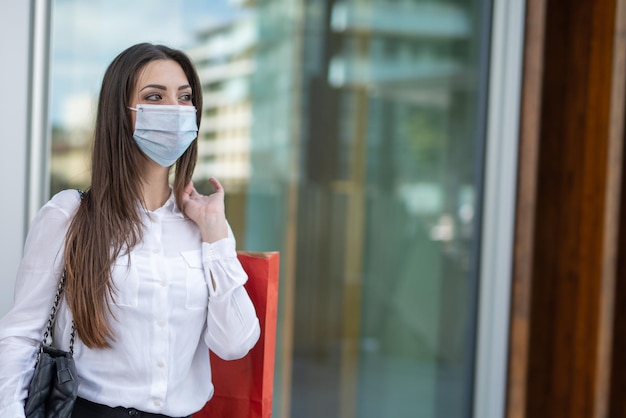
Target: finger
[188, 189]
[216, 185]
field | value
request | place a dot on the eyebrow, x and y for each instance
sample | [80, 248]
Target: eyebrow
[161, 87]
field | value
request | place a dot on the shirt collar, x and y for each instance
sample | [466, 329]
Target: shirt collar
[170, 207]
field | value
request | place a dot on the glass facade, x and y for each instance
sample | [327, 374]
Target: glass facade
[350, 137]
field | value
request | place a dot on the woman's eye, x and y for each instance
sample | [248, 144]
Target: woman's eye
[186, 97]
[153, 97]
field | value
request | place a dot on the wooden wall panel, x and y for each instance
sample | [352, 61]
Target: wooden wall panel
[611, 365]
[617, 367]
[526, 200]
[562, 275]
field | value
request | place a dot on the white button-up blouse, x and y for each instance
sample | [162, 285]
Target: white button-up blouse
[166, 312]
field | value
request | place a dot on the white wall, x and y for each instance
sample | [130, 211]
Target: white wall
[15, 30]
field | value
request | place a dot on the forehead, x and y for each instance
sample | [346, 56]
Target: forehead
[163, 72]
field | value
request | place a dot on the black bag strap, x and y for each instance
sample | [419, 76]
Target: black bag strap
[53, 313]
[55, 307]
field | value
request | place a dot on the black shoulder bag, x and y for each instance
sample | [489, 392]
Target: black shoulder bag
[54, 386]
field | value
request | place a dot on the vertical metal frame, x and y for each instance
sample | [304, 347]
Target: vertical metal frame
[39, 121]
[507, 41]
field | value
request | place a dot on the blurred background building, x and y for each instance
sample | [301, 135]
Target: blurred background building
[224, 56]
[441, 177]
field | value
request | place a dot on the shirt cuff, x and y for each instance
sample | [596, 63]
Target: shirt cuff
[219, 250]
[222, 268]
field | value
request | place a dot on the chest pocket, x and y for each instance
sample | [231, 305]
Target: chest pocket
[197, 291]
[125, 282]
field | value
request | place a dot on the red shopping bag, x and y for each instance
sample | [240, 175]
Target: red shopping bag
[243, 388]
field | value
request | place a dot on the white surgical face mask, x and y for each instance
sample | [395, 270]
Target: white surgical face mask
[164, 132]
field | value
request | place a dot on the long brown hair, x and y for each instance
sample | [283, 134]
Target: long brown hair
[107, 223]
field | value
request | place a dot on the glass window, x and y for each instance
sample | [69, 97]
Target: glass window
[349, 137]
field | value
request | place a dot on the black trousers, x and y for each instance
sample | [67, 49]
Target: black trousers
[87, 409]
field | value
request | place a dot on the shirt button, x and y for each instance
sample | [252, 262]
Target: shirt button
[163, 283]
[160, 363]
[157, 403]
[156, 250]
[161, 323]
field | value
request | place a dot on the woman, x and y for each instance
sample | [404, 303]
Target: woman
[152, 277]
